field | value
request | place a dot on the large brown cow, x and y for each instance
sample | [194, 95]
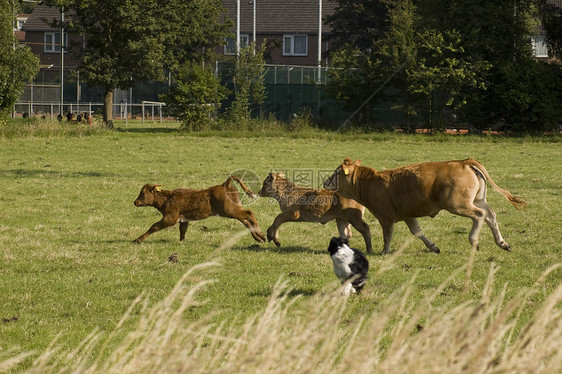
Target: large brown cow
[303, 204]
[420, 190]
[183, 205]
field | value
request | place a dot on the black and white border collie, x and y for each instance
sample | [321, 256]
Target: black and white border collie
[350, 265]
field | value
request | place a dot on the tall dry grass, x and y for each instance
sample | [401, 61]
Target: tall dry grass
[317, 336]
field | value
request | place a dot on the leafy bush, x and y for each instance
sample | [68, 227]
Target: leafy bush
[195, 97]
[249, 83]
[522, 97]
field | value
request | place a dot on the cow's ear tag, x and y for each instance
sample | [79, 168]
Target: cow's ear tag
[346, 171]
[158, 188]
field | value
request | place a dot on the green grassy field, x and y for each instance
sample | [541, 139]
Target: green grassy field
[67, 221]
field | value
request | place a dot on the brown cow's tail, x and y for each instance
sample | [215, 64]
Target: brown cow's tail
[246, 189]
[515, 201]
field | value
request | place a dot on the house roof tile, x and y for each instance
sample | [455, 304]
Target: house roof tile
[280, 16]
[40, 18]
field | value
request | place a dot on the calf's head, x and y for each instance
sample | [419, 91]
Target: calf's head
[341, 179]
[147, 194]
[272, 185]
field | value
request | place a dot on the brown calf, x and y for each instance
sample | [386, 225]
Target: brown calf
[302, 204]
[183, 205]
[421, 190]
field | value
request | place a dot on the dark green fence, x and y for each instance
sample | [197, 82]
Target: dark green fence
[291, 91]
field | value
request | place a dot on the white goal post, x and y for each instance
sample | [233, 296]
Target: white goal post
[152, 104]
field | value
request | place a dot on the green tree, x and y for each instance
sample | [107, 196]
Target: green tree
[195, 96]
[419, 62]
[128, 41]
[249, 82]
[18, 65]
[462, 52]
[527, 98]
[361, 23]
[191, 30]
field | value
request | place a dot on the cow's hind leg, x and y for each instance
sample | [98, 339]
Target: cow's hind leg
[249, 220]
[254, 227]
[477, 215]
[490, 220]
[416, 231]
[246, 216]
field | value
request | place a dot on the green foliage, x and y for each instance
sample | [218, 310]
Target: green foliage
[18, 65]
[249, 83]
[190, 30]
[438, 54]
[361, 23]
[123, 41]
[529, 97]
[351, 75]
[195, 96]
[440, 68]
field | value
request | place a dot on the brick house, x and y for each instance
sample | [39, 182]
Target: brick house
[290, 26]
[45, 41]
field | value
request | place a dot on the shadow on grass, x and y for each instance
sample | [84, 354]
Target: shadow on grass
[22, 173]
[292, 293]
[148, 130]
[273, 248]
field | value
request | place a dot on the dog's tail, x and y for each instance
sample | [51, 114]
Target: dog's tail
[246, 189]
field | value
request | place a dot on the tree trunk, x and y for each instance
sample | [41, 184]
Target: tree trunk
[108, 108]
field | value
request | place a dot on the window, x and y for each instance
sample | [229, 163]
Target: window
[295, 45]
[52, 42]
[540, 47]
[230, 47]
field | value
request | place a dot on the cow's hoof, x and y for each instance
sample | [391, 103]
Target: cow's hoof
[435, 249]
[137, 241]
[506, 247]
[277, 243]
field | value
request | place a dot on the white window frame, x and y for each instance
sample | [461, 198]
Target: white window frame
[230, 46]
[51, 47]
[540, 48]
[289, 45]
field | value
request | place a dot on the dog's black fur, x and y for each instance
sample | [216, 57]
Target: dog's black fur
[350, 264]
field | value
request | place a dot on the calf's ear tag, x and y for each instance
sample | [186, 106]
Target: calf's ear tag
[346, 171]
[158, 188]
